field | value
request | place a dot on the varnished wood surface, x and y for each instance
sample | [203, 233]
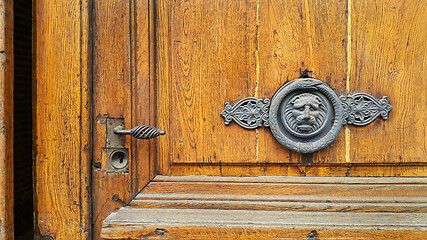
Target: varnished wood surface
[6, 120]
[388, 55]
[287, 179]
[122, 88]
[205, 51]
[62, 128]
[324, 190]
[243, 224]
[201, 66]
[204, 207]
[325, 170]
[295, 36]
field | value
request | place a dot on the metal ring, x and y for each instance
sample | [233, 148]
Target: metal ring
[305, 115]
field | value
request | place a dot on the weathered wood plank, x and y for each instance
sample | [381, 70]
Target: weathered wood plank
[338, 190]
[112, 97]
[207, 232]
[295, 36]
[242, 204]
[281, 198]
[62, 129]
[6, 119]
[220, 207]
[143, 96]
[388, 58]
[223, 224]
[122, 88]
[205, 67]
[325, 170]
[287, 179]
[197, 217]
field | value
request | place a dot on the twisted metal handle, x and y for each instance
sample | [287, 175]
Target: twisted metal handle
[140, 132]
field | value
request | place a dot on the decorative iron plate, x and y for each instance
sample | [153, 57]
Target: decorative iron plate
[305, 114]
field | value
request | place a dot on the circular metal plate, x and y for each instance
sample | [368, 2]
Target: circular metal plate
[305, 115]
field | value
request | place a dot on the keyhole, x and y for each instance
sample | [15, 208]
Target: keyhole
[119, 159]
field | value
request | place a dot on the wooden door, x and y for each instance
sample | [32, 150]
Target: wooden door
[208, 53]
[173, 65]
[213, 52]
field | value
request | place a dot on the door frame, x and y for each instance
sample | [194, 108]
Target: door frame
[62, 119]
[6, 119]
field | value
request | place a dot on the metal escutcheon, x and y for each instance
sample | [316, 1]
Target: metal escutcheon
[306, 115]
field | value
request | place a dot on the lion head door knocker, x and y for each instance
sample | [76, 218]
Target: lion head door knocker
[306, 115]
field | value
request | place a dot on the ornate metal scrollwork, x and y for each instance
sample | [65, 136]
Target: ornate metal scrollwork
[249, 112]
[361, 109]
[305, 114]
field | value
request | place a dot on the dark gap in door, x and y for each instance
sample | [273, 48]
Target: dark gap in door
[22, 146]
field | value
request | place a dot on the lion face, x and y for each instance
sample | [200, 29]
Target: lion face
[305, 113]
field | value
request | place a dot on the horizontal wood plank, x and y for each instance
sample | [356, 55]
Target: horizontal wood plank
[324, 170]
[282, 198]
[281, 206]
[286, 179]
[243, 224]
[338, 190]
[185, 207]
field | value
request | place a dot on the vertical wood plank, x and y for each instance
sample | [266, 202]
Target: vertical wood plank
[6, 120]
[143, 97]
[389, 59]
[153, 92]
[122, 86]
[112, 98]
[162, 82]
[295, 36]
[206, 58]
[62, 119]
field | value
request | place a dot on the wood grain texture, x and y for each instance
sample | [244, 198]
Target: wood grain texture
[277, 189]
[268, 207]
[243, 204]
[388, 59]
[112, 98]
[222, 224]
[62, 119]
[287, 179]
[6, 120]
[239, 232]
[206, 58]
[143, 96]
[122, 88]
[324, 170]
[295, 36]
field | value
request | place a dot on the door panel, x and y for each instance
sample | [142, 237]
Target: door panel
[121, 89]
[210, 53]
[388, 58]
[295, 36]
[203, 75]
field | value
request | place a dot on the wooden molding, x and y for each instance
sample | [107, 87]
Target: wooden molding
[196, 207]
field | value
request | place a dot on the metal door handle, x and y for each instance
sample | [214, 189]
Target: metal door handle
[305, 114]
[140, 132]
